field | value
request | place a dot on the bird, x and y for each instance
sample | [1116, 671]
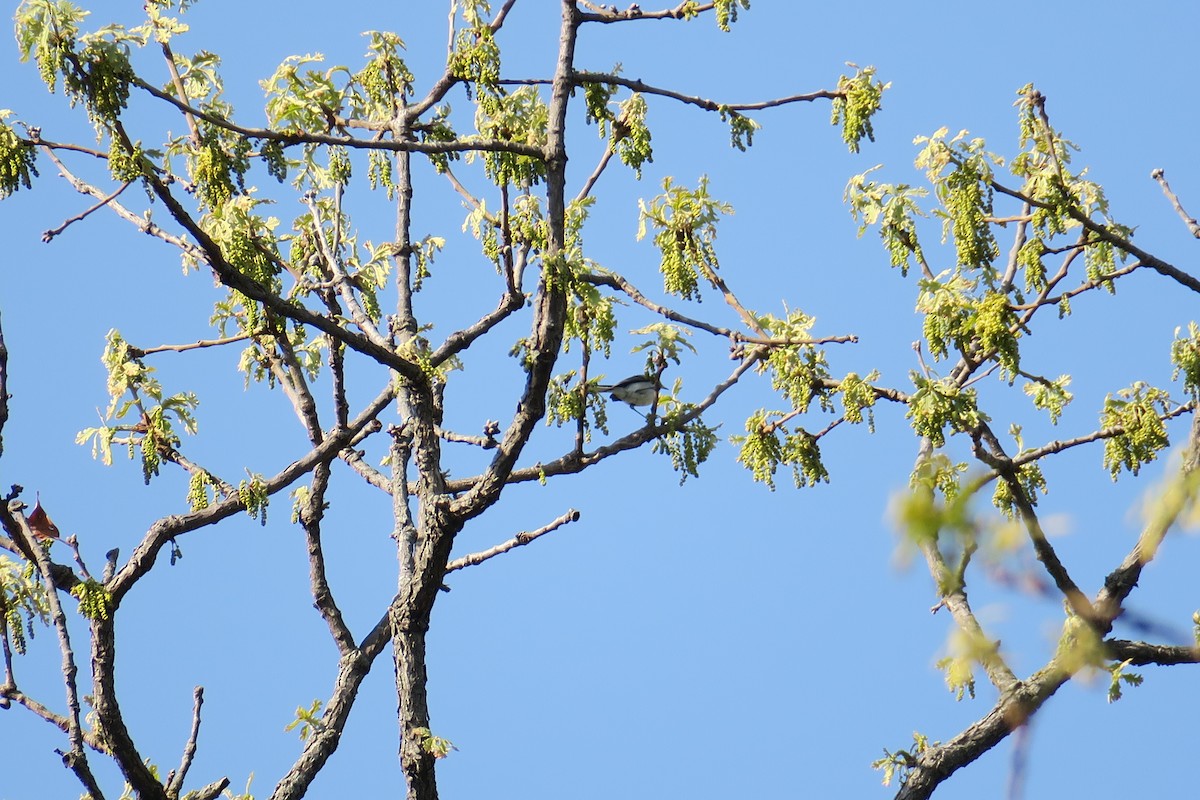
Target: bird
[636, 390]
[40, 524]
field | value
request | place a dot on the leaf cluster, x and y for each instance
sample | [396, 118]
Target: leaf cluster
[133, 387]
[18, 159]
[22, 602]
[684, 222]
[939, 404]
[860, 97]
[770, 443]
[1134, 415]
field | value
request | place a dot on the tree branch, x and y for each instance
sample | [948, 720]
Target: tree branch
[1143, 653]
[50, 234]
[581, 78]
[522, 538]
[176, 779]
[574, 462]
[170, 527]
[289, 138]
[1190, 221]
[1154, 262]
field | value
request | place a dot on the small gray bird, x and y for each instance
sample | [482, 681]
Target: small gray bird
[636, 390]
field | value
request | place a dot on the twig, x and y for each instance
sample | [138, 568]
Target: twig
[1080, 289]
[138, 352]
[50, 234]
[175, 781]
[73, 542]
[340, 278]
[1105, 433]
[177, 82]
[140, 222]
[596, 173]
[486, 442]
[607, 14]
[581, 78]
[522, 538]
[1188, 220]
[572, 462]
[3, 388]
[995, 457]
[35, 140]
[466, 194]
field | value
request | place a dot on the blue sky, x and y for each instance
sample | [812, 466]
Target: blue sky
[703, 641]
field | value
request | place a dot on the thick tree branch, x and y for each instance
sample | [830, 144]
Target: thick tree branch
[353, 667]
[311, 516]
[1012, 710]
[545, 340]
[1144, 654]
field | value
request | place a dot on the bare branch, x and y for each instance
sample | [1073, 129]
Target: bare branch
[522, 538]
[1190, 221]
[50, 234]
[3, 388]
[609, 14]
[701, 102]
[175, 781]
[460, 340]
[590, 183]
[140, 222]
[199, 344]
[177, 82]
[994, 456]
